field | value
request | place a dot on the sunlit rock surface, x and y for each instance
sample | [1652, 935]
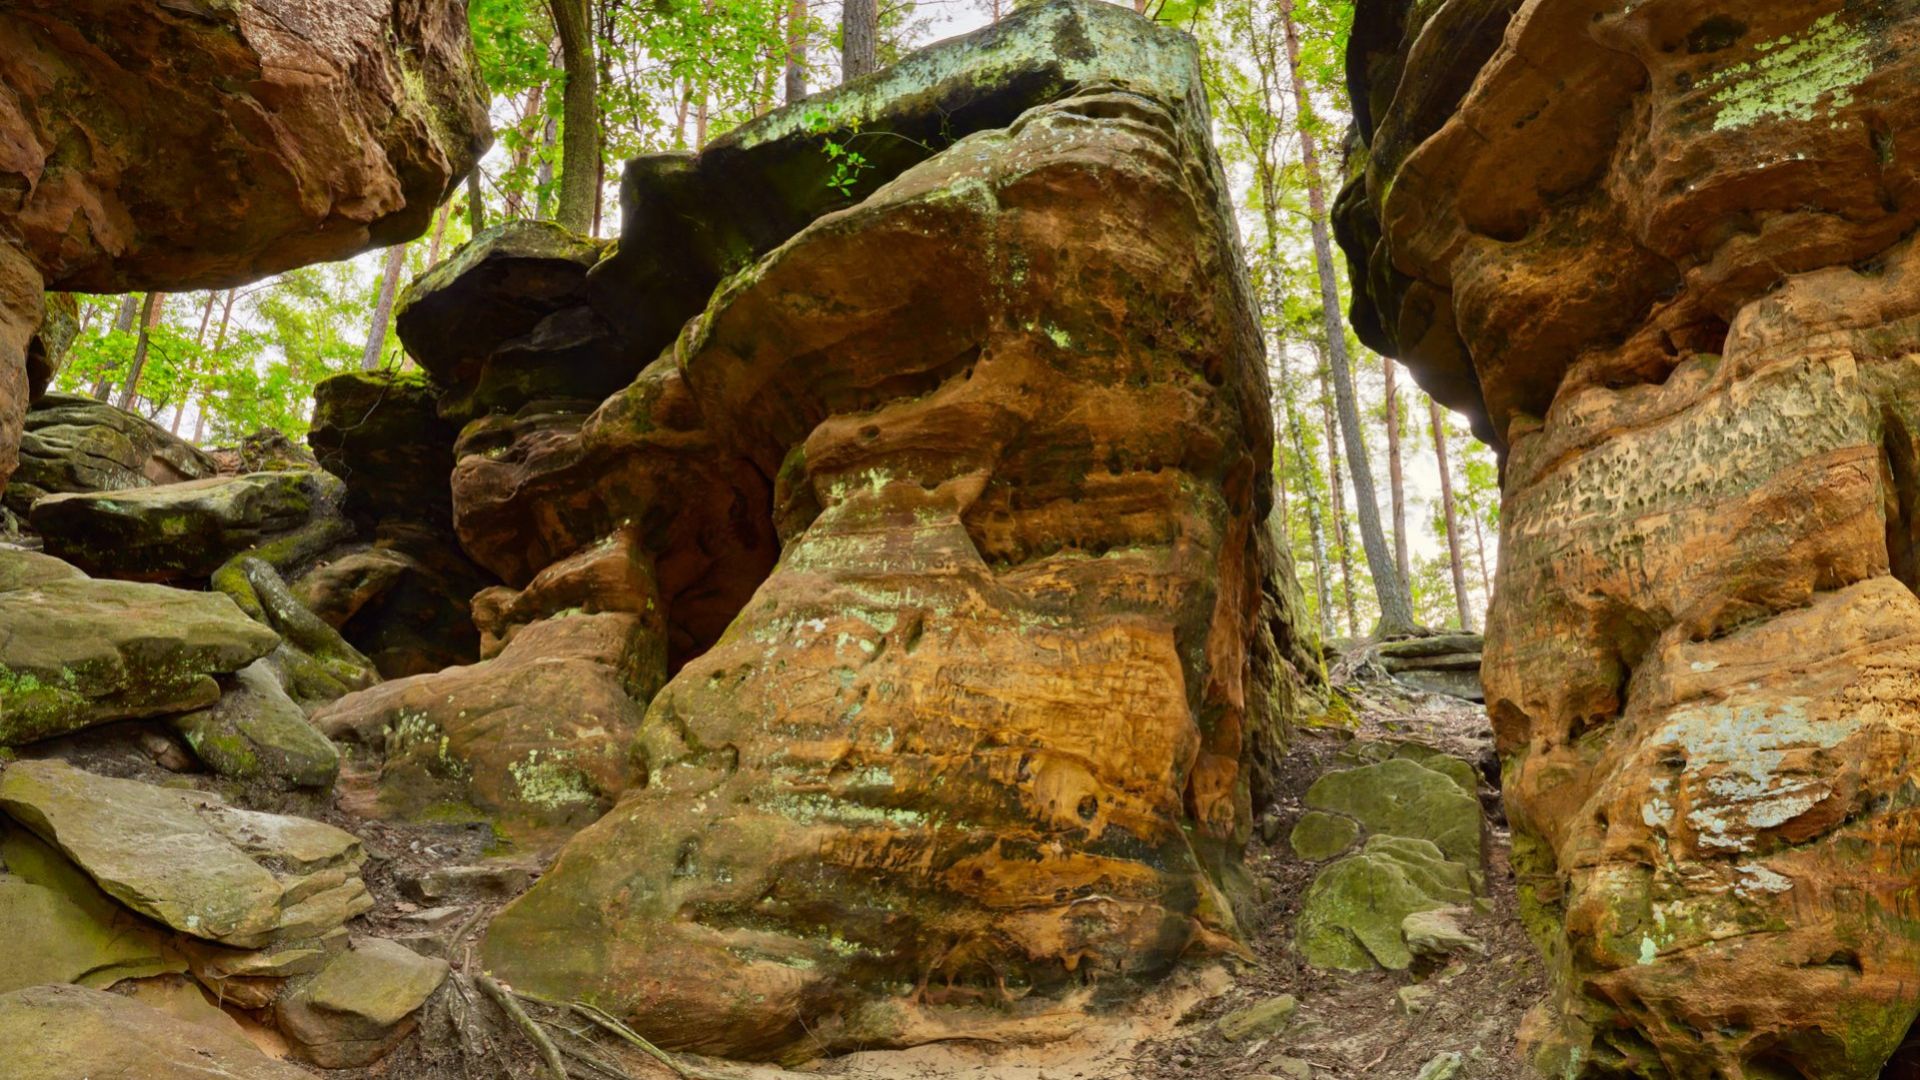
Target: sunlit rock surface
[1661, 254]
[939, 505]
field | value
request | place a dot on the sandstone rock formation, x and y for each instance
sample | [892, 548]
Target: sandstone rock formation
[57, 1032]
[163, 145]
[940, 511]
[77, 444]
[1661, 253]
[75, 651]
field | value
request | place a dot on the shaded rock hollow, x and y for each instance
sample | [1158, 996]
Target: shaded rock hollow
[1662, 255]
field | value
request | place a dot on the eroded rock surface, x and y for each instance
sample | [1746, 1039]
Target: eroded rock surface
[176, 146]
[955, 502]
[56, 1032]
[1662, 254]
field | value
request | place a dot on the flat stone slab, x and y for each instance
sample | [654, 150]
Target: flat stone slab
[186, 859]
[75, 651]
[63, 1032]
[184, 530]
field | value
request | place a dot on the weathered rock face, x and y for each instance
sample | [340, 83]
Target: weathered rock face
[53, 1032]
[191, 145]
[954, 500]
[1659, 251]
[76, 652]
[77, 444]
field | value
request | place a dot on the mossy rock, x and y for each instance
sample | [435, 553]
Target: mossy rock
[1351, 916]
[60, 928]
[1401, 797]
[1318, 835]
[256, 732]
[1374, 751]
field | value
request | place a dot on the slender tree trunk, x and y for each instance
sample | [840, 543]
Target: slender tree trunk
[122, 322]
[580, 141]
[1396, 604]
[476, 202]
[219, 342]
[86, 317]
[206, 316]
[1480, 554]
[439, 236]
[1335, 483]
[1395, 476]
[543, 180]
[149, 314]
[1452, 517]
[1316, 530]
[796, 87]
[859, 38]
[383, 308]
[200, 339]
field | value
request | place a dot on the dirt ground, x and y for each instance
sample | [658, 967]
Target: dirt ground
[1349, 1026]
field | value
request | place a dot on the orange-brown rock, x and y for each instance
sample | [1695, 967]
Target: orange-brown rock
[186, 144]
[989, 447]
[1663, 253]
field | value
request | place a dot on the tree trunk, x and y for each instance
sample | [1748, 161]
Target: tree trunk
[149, 314]
[1395, 475]
[580, 141]
[1480, 553]
[219, 342]
[122, 322]
[1339, 507]
[383, 308]
[1316, 530]
[186, 395]
[1396, 604]
[476, 202]
[796, 87]
[439, 235]
[543, 179]
[1452, 517]
[859, 38]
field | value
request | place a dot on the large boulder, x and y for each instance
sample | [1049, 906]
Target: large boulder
[187, 860]
[78, 444]
[987, 445]
[64, 929]
[316, 131]
[75, 652]
[60, 1032]
[184, 531]
[1662, 255]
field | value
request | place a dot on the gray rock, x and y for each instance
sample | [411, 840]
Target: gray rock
[1443, 1066]
[1262, 1020]
[1351, 915]
[77, 444]
[360, 1004]
[1437, 933]
[488, 881]
[188, 860]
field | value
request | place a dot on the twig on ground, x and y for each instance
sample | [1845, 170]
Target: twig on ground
[556, 1066]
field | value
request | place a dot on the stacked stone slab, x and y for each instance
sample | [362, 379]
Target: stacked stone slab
[1662, 255]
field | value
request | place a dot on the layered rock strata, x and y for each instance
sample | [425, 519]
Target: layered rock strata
[1662, 254]
[178, 146]
[946, 513]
